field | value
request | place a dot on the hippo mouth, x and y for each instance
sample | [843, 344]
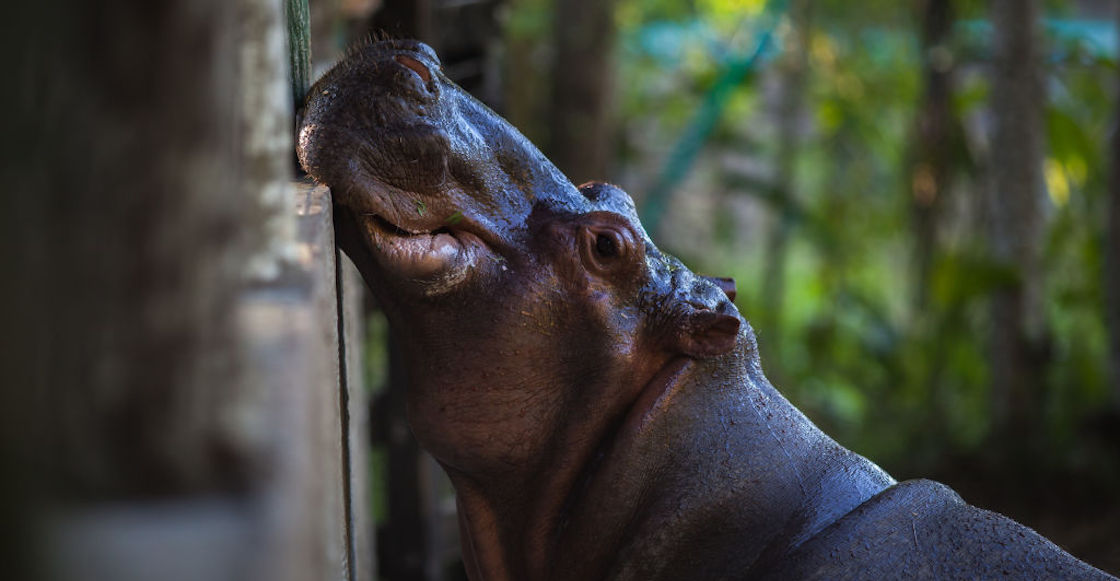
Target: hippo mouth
[657, 395]
[437, 259]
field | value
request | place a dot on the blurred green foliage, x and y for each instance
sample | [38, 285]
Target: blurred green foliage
[905, 383]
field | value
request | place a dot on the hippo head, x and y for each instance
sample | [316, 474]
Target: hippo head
[537, 318]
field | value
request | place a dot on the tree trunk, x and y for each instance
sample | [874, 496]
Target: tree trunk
[582, 86]
[528, 36]
[1112, 262]
[1016, 216]
[933, 148]
[794, 68]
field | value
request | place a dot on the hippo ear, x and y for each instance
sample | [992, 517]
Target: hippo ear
[706, 333]
[725, 284]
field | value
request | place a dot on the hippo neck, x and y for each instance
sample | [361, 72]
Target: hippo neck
[730, 468]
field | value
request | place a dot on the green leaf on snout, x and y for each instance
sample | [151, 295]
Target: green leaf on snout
[454, 218]
[421, 207]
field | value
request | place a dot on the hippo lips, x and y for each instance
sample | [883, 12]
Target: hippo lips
[437, 259]
[657, 395]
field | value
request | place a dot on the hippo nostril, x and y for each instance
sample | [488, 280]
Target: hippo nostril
[415, 65]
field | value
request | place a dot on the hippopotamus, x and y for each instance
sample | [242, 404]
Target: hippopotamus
[600, 410]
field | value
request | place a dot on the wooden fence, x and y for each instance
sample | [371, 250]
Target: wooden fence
[183, 345]
[302, 513]
[185, 394]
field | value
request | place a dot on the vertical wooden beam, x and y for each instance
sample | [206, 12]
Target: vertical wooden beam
[141, 244]
[582, 85]
[266, 137]
[180, 426]
[360, 516]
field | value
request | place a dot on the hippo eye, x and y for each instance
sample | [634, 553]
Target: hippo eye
[606, 246]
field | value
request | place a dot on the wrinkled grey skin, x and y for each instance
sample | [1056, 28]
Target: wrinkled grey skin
[600, 410]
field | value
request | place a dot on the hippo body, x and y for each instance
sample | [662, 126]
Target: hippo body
[600, 410]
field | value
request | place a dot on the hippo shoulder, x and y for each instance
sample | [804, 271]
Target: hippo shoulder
[920, 529]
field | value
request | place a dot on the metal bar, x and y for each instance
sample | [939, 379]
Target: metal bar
[692, 140]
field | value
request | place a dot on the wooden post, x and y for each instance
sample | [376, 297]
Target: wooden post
[266, 137]
[582, 85]
[142, 242]
[182, 412]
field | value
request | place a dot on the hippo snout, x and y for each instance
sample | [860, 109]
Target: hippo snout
[401, 145]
